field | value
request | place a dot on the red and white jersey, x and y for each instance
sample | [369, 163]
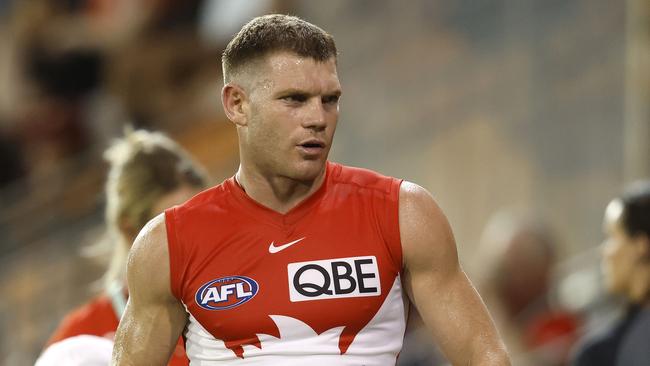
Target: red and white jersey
[319, 285]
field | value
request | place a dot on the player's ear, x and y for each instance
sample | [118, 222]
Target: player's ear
[234, 101]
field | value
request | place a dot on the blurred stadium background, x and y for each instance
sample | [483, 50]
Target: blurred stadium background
[533, 105]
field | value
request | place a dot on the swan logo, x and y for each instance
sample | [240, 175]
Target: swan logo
[226, 292]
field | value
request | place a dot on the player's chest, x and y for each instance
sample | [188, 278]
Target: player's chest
[324, 274]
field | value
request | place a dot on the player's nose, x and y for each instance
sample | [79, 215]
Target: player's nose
[315, 115]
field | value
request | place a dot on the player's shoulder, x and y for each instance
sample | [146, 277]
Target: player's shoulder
[150, 246]
[362, 178]
[149, 254]
[413, 193]
[419, 212]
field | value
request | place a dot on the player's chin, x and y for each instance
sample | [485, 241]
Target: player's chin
[308, 170]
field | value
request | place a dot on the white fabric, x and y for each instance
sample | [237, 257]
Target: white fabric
[377, 344]
[83, 350]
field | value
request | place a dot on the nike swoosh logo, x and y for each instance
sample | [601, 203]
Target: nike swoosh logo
[274, 249]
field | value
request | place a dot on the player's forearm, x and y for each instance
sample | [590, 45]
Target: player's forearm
[127, 351]
[143, 339]
[493, 357]
[135, 353]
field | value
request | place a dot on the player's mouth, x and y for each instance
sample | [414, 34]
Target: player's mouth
[311, 147]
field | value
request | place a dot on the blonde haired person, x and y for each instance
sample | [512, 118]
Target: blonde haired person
[148, 173]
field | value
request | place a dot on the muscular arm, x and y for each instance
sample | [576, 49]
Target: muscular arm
[154, 319]
[436, 284]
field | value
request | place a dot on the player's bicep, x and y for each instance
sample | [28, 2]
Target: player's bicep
[437, 285]
[429, 249]
[153, 319]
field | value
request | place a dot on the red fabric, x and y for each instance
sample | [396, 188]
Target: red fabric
[94, 318]
[552, 326]
[97, 317]
[222, 232]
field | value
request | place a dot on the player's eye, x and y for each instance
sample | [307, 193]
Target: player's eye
[330, 99]
[295, 98]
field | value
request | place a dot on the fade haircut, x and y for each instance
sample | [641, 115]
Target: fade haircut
[274, 33]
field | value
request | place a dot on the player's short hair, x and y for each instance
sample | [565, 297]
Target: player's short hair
[275, 33]
[636, 209]
[144, 166]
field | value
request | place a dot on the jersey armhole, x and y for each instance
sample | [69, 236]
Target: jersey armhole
[175, 253]
[392, 230]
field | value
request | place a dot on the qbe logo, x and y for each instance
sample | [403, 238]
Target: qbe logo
[334, 278]
[226, 292]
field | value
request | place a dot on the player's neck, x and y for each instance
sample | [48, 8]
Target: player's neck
[280, 194]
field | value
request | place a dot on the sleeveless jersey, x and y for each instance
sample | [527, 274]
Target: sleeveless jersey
[319, 285]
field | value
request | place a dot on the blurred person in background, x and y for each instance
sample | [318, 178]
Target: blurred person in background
[54, 98]
[515, 262]
[292, 236]
[148, 173]
[626, 269]
[79, 67]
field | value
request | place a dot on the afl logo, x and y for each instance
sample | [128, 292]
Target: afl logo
[226, 292]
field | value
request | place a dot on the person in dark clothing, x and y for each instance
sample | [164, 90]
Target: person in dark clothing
[626, 267]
